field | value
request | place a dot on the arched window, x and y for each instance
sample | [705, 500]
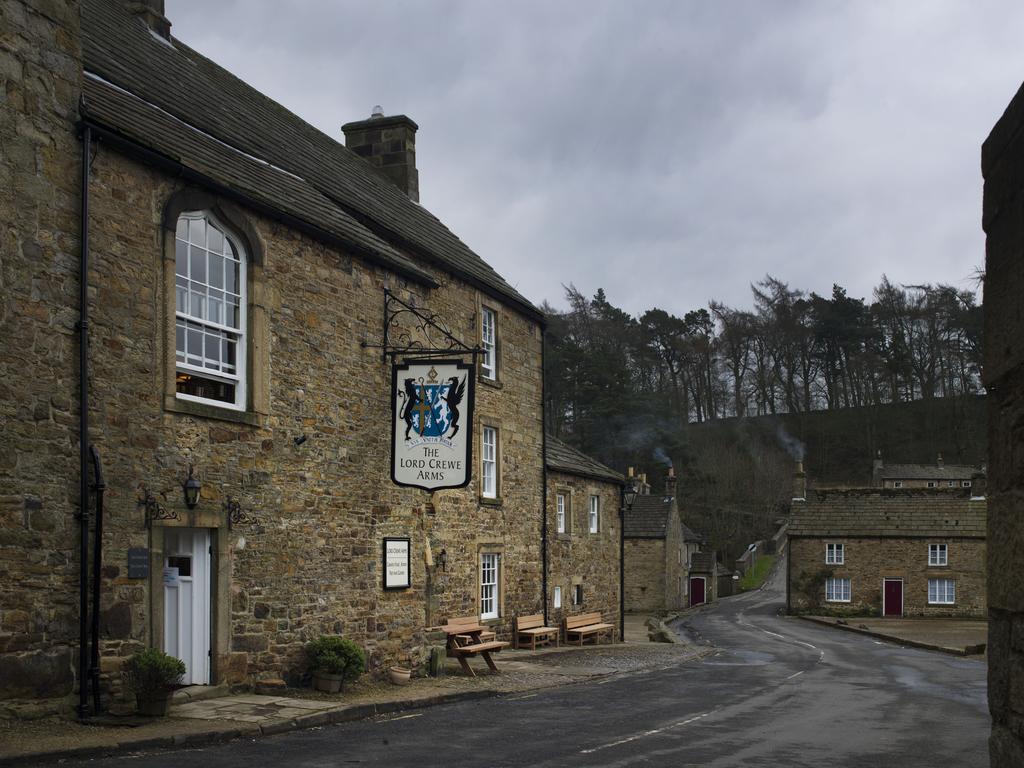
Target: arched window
[210, 312]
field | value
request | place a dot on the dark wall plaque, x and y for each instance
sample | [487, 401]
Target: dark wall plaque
[138, 563]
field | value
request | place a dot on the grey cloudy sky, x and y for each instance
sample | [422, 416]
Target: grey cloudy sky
[670, 152]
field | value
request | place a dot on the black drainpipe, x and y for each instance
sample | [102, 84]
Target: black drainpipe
[83, 431]
[622, 563]
[97, 561]
[544, 481]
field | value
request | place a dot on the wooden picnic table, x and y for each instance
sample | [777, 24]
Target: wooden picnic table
[464, 639]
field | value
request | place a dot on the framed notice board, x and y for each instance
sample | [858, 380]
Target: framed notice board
[397, 570]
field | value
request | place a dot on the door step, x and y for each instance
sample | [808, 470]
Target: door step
[199, 693]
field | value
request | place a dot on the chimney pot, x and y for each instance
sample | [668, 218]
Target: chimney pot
[799, 483]
[378, 111]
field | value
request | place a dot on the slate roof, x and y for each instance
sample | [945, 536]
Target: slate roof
[888, 513]
[188, 110]
[564, 458]
[927, 472]
[648, 518]
[691, 535]
[702, 562]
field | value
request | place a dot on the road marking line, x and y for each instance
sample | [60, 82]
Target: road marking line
[520, 698]
[654, 732]
[402, 717]
[795, 674]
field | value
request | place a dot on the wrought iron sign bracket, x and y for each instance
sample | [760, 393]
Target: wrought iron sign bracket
[237, 515]
[437, 338]
[154, 509]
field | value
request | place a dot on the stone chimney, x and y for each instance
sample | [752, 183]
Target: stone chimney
[670, 481]
[799, 483]
[939, 462]
[979, 483]
[643, 488]
[389, 144]
[152, 12]
[876, 471]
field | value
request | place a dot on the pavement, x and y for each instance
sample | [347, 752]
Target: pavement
[960, 637]
[202, 715]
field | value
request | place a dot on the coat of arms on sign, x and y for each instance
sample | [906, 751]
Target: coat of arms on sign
[432, 408]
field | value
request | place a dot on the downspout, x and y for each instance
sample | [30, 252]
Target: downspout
[97, 561]
[622, 563]
[83, 431]
[544, 481]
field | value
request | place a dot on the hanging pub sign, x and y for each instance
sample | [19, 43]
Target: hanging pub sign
[431, 423]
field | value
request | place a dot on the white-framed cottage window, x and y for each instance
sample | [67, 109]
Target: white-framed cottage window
[594, 509]
[835, 554]
[941, 591]
[837, 590]
[556, 598]
[209, 313]
[489, 463]
[488, 343]
[577, 594]
[938, 554]
[560, 513]
[931, 483]
[965, 484]
[951, 484]
[897, 483]
[490, 566]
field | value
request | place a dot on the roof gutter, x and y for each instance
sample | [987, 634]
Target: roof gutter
[151, 157]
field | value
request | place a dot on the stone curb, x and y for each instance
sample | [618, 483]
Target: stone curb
[967, 650]
[205, 738]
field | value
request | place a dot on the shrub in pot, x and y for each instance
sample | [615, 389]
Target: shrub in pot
[151, 675]
[335, 660]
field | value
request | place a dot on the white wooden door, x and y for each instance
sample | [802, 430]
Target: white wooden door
[187, 601]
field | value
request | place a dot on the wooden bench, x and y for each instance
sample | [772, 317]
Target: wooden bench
[586, 625]
[484, 634]
[467, 638]
[531, 629]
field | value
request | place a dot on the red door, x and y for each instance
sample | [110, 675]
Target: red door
[892, 601]
[696, 590]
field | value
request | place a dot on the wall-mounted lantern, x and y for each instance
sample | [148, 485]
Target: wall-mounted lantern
[192, 487]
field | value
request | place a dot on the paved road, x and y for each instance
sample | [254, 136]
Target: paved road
[779, 692]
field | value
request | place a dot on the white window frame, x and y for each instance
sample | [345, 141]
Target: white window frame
[938, 554]
[965, 484]
[941, 592]
[897, 483]
[489, 462]
[490, 583]
[489, 343]
[560, 513]
[594, 514]
[931, 483]
[835, 554]
[556, 598]
[577, 594]
[951, 484]
[838, 590]
[238, 379]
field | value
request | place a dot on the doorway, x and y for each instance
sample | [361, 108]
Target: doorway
[892, 597]
[186, 579]
[696, 590]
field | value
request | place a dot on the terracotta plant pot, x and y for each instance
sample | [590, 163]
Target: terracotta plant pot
[327, 682]
[400, 675]
[153, 704]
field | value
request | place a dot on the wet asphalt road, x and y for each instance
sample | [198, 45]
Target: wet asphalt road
[778, 692]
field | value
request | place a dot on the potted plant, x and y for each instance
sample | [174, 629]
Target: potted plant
[335, 660]
[151, 675]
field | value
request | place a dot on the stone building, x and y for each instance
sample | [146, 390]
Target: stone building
[584, 534]
[242, 272]
[887, 553]
[937, 476]
[1002, 164]
[658, 550]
